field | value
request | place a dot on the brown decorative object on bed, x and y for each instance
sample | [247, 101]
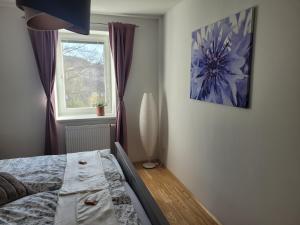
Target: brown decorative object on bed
[11, 189]
[90, 202]
[82, 162]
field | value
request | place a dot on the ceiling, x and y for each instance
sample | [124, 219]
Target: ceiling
[138, 7]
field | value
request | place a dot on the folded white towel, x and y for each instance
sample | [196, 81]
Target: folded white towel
[100, 213]
[83, 177]
[84, 182]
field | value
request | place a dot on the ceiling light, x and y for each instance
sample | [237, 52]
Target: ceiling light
[57, 14]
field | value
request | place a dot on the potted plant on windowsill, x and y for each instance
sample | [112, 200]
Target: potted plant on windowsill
[100, 108]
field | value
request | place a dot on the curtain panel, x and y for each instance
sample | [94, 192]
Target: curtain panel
[121, 37]
[44, 48]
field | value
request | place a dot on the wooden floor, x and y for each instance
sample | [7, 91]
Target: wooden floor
[176, 202]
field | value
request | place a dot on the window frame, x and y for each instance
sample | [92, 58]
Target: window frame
[61, 109]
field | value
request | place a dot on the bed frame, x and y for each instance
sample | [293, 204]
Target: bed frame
[153, 211]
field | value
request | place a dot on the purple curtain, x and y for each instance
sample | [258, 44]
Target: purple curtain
[44, 48]
[121, 37]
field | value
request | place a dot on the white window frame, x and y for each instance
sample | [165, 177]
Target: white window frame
[61, 109]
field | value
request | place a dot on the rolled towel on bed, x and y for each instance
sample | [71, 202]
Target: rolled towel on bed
[12, 189]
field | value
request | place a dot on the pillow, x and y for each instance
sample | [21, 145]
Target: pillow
[11, 189]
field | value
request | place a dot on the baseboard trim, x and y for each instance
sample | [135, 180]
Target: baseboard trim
[206, 210]
[196, 199]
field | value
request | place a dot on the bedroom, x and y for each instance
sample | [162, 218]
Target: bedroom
[242, 165]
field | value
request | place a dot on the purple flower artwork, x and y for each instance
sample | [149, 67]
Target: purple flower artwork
[221, 60]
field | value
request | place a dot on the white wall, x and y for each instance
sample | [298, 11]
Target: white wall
[243, 164]
[22, 110]
[22, 98]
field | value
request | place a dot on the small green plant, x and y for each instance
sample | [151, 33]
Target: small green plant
[100, 103]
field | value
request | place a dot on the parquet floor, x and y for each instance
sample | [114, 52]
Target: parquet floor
[176, 202]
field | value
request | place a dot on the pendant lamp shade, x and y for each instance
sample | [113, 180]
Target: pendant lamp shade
[57, 14]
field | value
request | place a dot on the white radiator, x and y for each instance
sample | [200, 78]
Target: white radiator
[87, 137]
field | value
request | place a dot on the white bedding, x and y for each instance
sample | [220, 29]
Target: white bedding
[85, 182]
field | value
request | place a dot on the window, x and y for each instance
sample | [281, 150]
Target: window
[83, 75]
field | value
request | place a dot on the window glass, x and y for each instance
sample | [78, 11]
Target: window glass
[83, 75]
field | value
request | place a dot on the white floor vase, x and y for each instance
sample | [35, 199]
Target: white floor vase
[148, 127]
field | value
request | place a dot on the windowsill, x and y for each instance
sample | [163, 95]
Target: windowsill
[84, 118]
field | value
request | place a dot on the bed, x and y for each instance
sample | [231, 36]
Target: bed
[46, 176]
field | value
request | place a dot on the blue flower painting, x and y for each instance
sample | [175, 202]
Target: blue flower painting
[221, 60]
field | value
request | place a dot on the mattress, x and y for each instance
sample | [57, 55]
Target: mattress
[44, 174]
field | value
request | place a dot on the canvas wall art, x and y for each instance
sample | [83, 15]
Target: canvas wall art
[221, 60]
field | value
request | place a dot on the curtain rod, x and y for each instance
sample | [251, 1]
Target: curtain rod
[106, 24]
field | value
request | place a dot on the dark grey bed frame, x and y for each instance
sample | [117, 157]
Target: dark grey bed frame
[153, 211]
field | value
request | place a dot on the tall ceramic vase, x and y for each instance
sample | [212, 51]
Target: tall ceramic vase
[148, 127]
